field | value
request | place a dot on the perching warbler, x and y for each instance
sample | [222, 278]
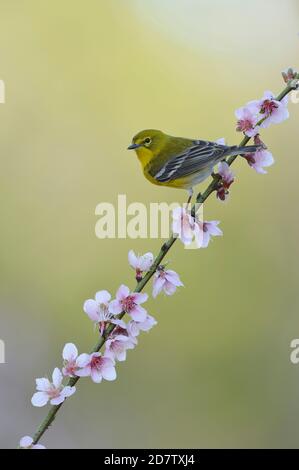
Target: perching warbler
[178, 162]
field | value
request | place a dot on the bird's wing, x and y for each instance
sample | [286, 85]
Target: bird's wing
[198, 156]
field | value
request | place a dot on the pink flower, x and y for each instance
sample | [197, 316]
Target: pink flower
[135, 327]
[183, 225]
[205, 231]
[72, 362]
[141, 264]
[260, 159]
[129, 302]
[195, 229]
[226, 173]
[247, 120]
[227, 178]
[27, 443]
[55, 391]
[98, 367]
[274, 111]
[166, 280]
[118, 343]
[98, 310]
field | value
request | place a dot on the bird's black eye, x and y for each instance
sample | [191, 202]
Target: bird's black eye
[147, 141]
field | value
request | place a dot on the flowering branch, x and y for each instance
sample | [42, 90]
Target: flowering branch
[119, 336]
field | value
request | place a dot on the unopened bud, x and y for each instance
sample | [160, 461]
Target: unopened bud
[222, 193]
[258, 141]
[289, 74]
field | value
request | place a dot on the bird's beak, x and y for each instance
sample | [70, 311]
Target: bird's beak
[134, 146]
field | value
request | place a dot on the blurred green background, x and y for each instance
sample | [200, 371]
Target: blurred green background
[81, 79]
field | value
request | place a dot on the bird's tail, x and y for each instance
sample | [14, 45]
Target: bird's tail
[235, 150]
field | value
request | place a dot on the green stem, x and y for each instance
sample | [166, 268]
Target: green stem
[201, 198]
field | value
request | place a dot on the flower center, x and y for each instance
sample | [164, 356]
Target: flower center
[71, 367]
[244, 125]
[118, 330]
[104, 311]
[250, 158]
[117, 346]
[54, 392]
[161, 271]
[128, 304]
[268, 107]
[222, 192]
[95, 362]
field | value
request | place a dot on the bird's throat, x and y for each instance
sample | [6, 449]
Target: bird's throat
[144, 156]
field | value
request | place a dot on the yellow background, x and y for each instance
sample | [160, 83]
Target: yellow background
[81, 78]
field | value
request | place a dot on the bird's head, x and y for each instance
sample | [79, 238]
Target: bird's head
[149, 141]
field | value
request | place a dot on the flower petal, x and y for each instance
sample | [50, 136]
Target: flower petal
[83, 360]
[115, 307]
[121, 355]
[146, 262]
[68, 391]
[177, 213]
[42, 384]
[70, 352]
[84, 372]
[40, 399]
[122, 292]
[158, 284]
[120, 323]
[213, 229]
[57, 400]
[139, 298]
[133, 328]
[173, 277]
[169, 288]
[107, 362]
[91, 308]
[108, 373]
[103, 297]
[122, 338]
[147, 324]
[138, 313]
[96, 376]
[26, 441]
[57, 377]
[133, 260]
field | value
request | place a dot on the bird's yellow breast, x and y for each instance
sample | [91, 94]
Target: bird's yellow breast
[145, 156]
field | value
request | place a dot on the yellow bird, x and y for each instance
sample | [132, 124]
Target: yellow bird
[178, 162]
